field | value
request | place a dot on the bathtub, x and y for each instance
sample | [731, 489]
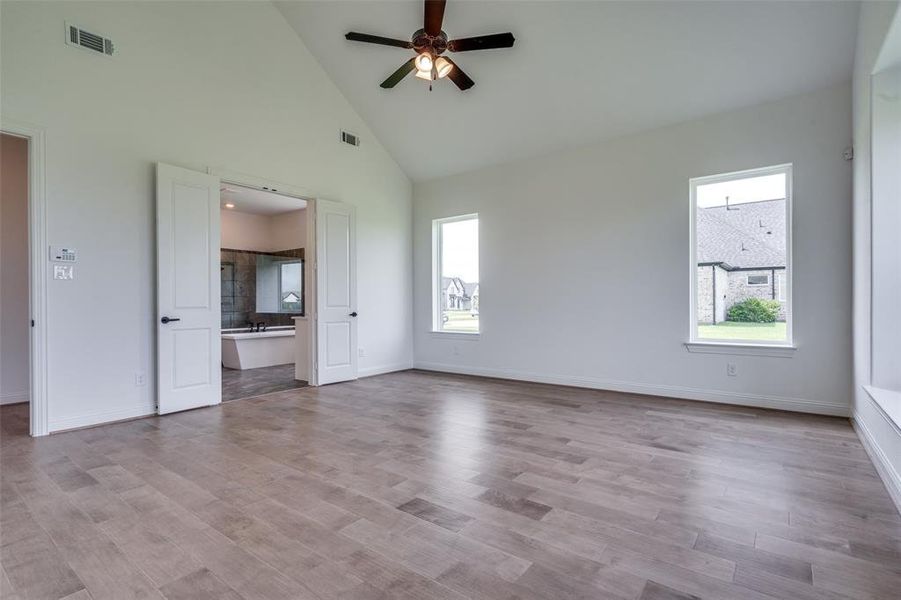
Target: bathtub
[242, 349]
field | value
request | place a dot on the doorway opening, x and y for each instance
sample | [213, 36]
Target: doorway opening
[15, 387]
[23, 262]
[264, 298]
[207, 224]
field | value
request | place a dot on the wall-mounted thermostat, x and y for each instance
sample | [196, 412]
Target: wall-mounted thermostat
[63, 254]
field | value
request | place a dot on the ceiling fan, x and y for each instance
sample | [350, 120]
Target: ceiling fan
[429, 43]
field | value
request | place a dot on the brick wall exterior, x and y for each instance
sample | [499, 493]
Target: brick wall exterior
[732, 287]
[740, 290]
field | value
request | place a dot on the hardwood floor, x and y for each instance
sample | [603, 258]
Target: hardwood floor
[417, 485]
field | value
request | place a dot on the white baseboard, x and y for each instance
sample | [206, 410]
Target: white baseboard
[382, 369]
[14, 397]
[101, 418]
[887, 471]
[685, 393]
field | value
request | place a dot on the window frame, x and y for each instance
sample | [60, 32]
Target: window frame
[437, 242]
[280, 264]
[699, 344]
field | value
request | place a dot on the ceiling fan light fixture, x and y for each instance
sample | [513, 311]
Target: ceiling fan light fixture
[443, 67]
[427, 75]
[424, 63]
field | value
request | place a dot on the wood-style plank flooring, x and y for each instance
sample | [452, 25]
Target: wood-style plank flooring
[416, 485]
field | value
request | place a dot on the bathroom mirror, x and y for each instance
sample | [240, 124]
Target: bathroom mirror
[279, 284]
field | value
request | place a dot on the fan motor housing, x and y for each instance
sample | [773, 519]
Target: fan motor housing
[434, 44]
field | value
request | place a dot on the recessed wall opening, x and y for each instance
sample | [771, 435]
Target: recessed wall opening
[263, 249]
[15, 387]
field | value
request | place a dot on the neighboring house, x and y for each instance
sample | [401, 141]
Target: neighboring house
[459, 295]
[741, 254]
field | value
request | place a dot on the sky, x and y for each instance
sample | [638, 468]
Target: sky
[740, 191]
[460, 250]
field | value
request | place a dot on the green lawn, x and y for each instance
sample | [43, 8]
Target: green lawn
[731, 330]
[461, 320]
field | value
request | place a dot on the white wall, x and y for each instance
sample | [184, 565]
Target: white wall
[886, 247]
[244, 231]
[227, 85]
[585, 270]
[289, 230]
[263, 233]
[14, 384]
[881, 434]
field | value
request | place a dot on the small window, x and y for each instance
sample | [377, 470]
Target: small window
[290, 287]
[740, 241]
[456, 269]
[758, 280]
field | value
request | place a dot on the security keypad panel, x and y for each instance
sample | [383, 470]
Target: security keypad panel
[63, 254]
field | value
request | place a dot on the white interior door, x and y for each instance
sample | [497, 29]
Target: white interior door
[189, 346]
[336, 292]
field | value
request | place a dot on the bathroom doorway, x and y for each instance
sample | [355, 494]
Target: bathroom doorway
[192, 348]
[264, 283]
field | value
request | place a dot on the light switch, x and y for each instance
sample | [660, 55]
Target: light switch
[66, 272]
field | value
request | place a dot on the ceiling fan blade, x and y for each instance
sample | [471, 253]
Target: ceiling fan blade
[404, 70]
[376, 39]
[482, 42]
[433, 16]
[460, 78]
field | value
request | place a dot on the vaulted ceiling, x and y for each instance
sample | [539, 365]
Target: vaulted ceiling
[579, 72]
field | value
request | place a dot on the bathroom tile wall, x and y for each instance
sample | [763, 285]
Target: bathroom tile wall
[238, 270]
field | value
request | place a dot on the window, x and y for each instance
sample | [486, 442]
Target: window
[290, 287]
[279, 284]
[741, 240]
[758, 280]
[456, 271]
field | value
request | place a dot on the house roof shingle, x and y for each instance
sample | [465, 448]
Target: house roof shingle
[749, 235]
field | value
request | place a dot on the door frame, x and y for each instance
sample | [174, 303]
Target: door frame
[309, 276]
[39, 422]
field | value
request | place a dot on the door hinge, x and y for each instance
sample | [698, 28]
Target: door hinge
[32, 322]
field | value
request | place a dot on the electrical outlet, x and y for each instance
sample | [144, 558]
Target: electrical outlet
[361, 352]
[456, 351]
[731, 370]
[140, 379]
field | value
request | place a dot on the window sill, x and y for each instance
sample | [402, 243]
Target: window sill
[460, 335]
[777, 350]
[888, 401]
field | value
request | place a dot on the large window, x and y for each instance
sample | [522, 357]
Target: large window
[741, 257]
[456, 270]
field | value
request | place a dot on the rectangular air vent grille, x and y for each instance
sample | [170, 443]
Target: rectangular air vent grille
[350, 138]
[89, 41]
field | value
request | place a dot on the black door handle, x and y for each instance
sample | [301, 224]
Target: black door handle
[353, 314]
[165, 320]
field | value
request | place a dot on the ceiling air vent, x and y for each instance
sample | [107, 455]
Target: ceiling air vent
[76, 36]
[350, 138]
